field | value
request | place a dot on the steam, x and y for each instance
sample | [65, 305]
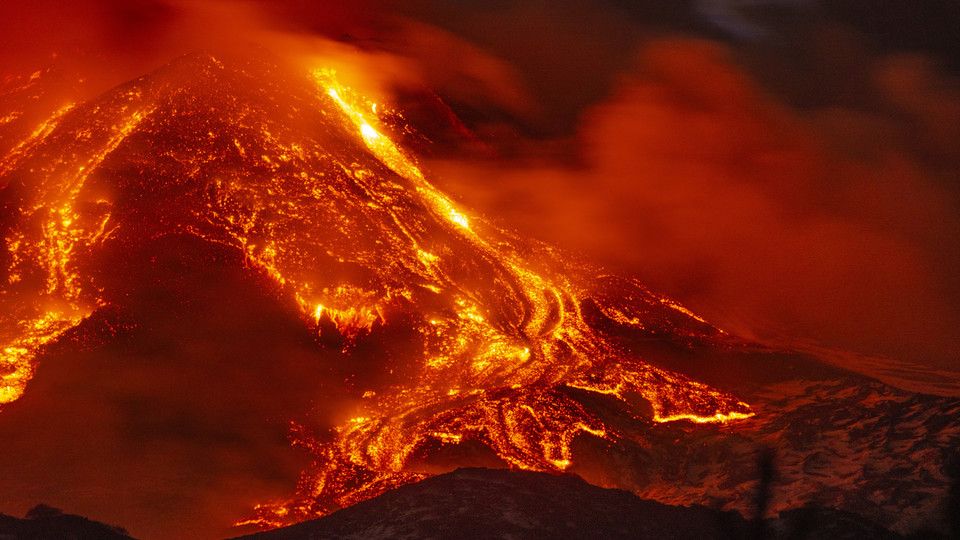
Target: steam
[834, 224]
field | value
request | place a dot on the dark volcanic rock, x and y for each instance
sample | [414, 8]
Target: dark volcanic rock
[488, 503]
[46, 523]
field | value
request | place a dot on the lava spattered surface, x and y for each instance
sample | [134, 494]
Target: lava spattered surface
[303, 176]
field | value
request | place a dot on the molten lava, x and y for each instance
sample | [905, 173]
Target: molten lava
[302, 175]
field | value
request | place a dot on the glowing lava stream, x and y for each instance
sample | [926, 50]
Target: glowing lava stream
[63, 230]
[353, 240]
[513, 399]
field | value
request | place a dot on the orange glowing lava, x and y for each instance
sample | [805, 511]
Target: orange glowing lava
[348, 226]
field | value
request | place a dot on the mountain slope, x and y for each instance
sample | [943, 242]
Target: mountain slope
[229, 242]
[485, 503]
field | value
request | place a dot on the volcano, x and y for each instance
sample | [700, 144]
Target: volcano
[429, 337]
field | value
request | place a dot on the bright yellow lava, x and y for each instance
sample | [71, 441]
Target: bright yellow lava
[348, 227]
[514, 366]
[64, 230]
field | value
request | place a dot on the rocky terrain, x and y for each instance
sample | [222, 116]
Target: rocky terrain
[47, 523]
[485, 503]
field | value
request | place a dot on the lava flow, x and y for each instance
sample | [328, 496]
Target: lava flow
[301, 174]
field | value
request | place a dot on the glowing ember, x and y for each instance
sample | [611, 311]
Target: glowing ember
[515, 403]
[349, 228]
[54, 229]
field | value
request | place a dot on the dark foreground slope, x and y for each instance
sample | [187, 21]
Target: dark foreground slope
[488, 503]
[43, 523]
